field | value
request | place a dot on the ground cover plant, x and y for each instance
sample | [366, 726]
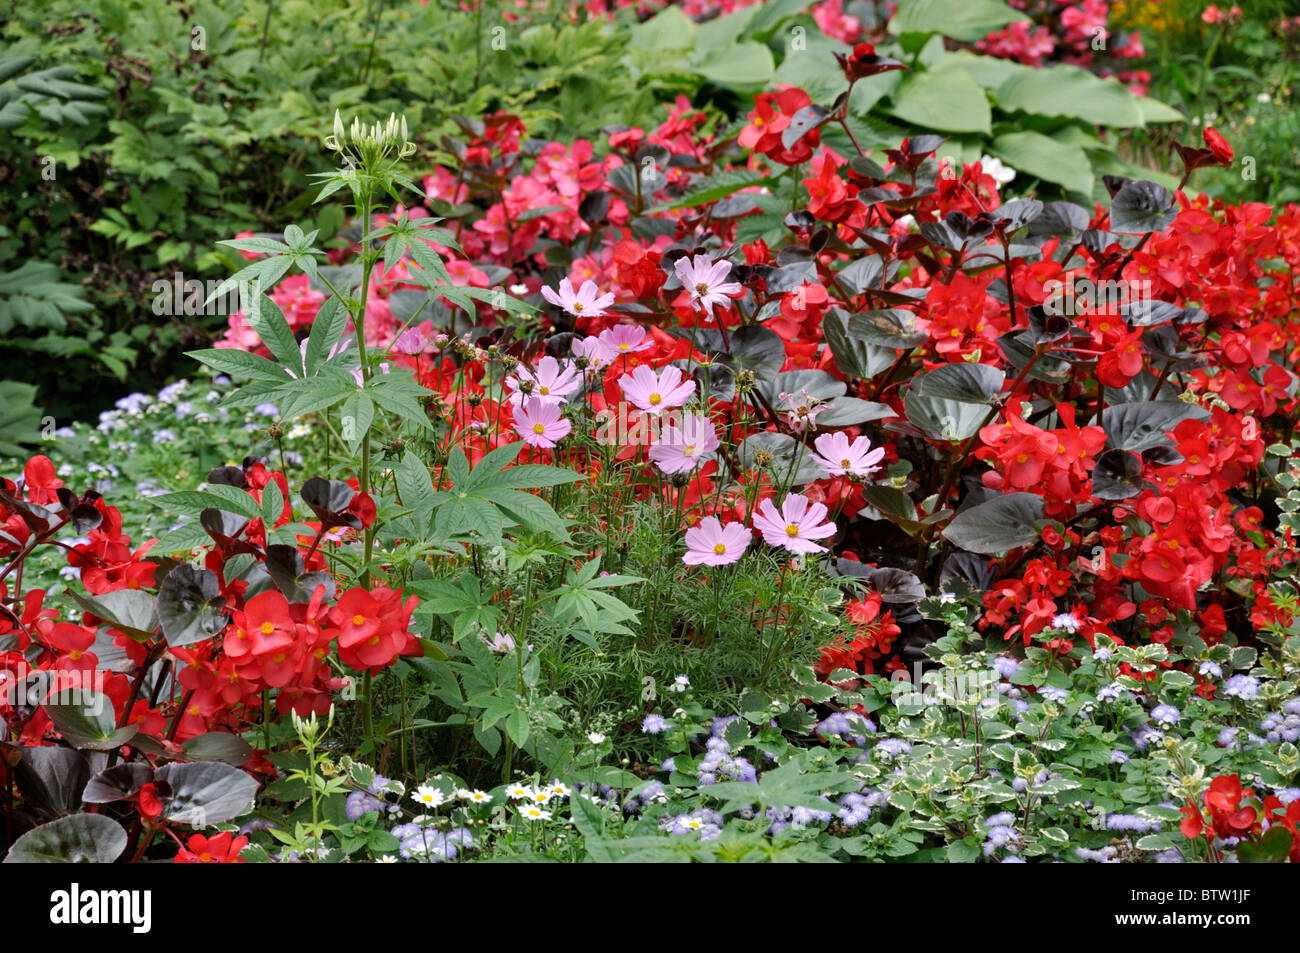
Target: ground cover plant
[767, 489]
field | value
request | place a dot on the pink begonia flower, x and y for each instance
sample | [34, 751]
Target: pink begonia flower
[796, 526]
[712, 544]
[540, 423]
[587, 303]
[624, 339]
[655, 393]
[679, 450]
[553, 382]
[839, 457]
[704, 280]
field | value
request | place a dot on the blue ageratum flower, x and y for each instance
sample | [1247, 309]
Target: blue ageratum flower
[654, 725]
[1165, 715]
[1210, 670]
[890, 748]
[1241, 686]
[1005, 666]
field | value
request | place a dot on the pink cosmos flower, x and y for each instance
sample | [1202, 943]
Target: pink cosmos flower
[679, 450]
[540, 423]
[655, 393]
[796, 526]
[553, 382]
[839, 457]
[597, 354]
[623, 339]
[587, 303]
[704, 280]
[712, 544]
[411, 342]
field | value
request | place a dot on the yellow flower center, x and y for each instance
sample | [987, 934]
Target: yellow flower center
[655, 399]
[792, 530]
[719, 548]
[358, 619]
[538, 428]
[267, 628]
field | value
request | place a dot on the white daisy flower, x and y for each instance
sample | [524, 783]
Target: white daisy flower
[531, 812]
[429, 796]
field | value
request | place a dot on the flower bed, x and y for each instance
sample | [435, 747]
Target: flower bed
[727, 494]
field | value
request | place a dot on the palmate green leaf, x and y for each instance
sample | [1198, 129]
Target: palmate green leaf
[471, 515]
[218, 495]
[399, 394]
[581, 599]
[357, 415]
[478, 498]
[311, 395]
[528, 510]
[717, 186]
[415, 489]
[240, 364]
[463, 602]
[496, 299]
[430, 263]
[326, 331]
[266, 318]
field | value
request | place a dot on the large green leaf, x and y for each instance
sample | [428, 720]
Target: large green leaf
[1033, 153]
[745, 66]
[949, 101]
[965, 20]
[1071, 92]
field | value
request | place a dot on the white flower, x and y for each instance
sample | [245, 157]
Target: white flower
[429, 796]
[558, 789]
[595, 737]
[519, 289]
[681, 683]
[703, 279]
[386, 859]
[475, 796]
[530, 812]
[1263, 98]
[517, 792]
[1000, 172]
